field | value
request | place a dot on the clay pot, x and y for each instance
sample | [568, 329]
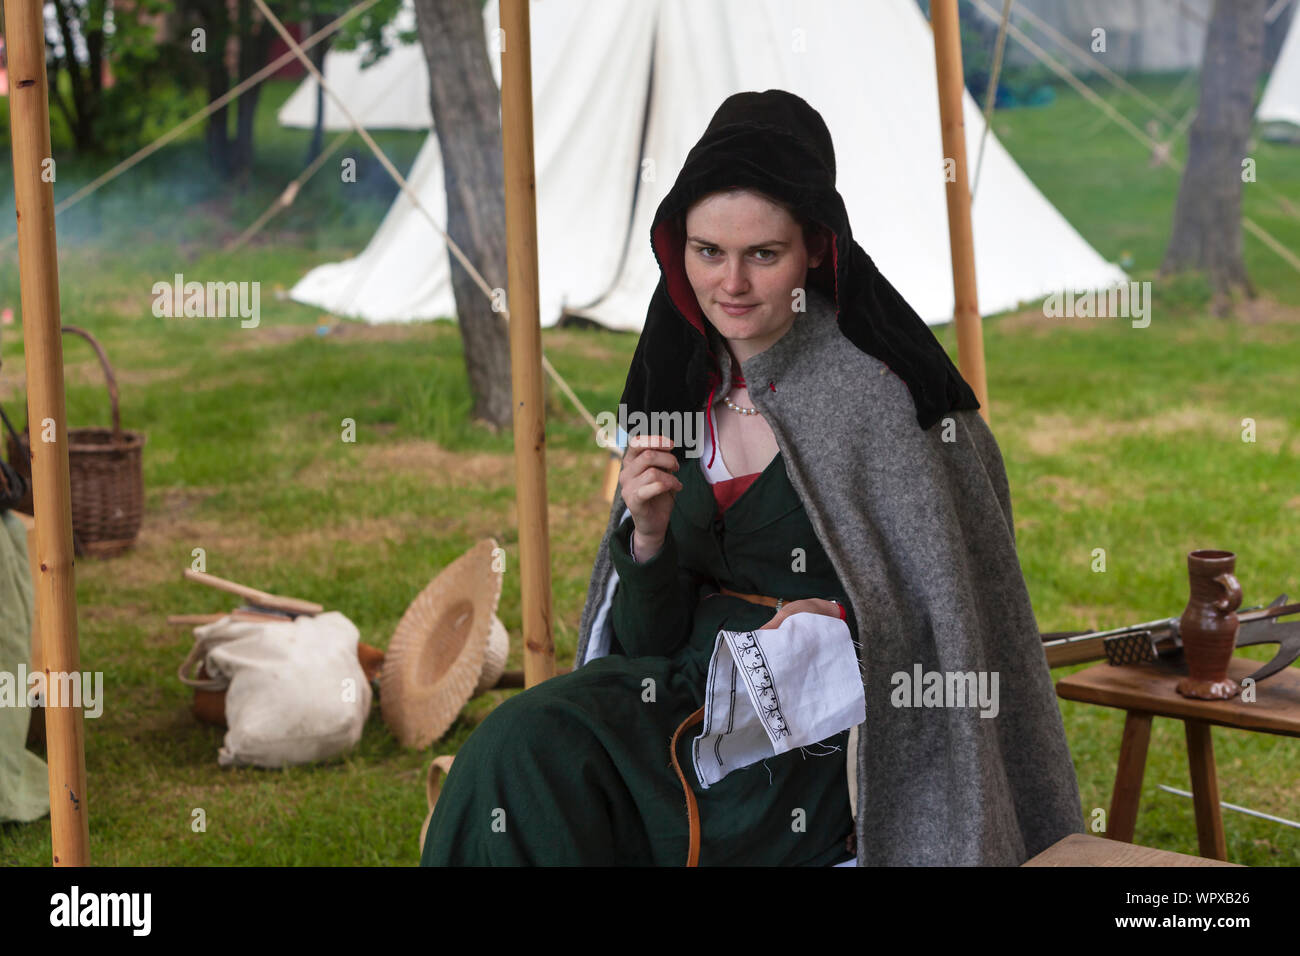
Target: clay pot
[209, 705]
[1209, 625]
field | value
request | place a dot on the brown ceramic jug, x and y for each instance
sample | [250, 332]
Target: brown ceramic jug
[1209, 625]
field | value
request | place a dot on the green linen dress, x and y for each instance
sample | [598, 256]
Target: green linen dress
[576, 770]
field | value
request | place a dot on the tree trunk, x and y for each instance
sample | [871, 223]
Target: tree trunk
[317, 56]
[1207, 218]
[95, 54]
[465, 103]
[78, 118]
[254, 45]
[216, 25]
[218, 121]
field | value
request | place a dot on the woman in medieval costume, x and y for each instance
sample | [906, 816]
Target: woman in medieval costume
[808, 641]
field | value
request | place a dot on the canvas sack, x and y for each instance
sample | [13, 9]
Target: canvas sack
[295, 690]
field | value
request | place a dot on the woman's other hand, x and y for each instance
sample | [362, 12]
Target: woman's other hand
[649, 487]
[812, 605]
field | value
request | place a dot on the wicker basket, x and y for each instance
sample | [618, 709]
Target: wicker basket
[106, 474]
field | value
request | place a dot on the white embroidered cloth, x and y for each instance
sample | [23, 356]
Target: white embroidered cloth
[770, 691]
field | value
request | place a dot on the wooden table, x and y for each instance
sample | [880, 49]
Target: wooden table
[1080, 849]
[1146, 691]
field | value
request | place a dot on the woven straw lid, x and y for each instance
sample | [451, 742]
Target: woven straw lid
[437, 654]
[494, 657]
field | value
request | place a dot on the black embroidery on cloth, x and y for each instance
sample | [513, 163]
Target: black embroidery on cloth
[759, 678]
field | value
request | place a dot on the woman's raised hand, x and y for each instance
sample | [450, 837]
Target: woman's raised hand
[814, 605]
[649, 488]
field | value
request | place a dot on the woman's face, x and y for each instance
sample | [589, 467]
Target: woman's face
[744, 250]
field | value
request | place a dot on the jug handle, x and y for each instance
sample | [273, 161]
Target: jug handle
[1232, 599]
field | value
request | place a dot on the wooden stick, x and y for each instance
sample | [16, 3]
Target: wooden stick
[193, 620]
[612, 468]
[38, 268]
[253, 595]
[525, 341]
[242, 614]
[966, 312]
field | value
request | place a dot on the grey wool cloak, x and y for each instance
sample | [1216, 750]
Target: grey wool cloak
[905, 486]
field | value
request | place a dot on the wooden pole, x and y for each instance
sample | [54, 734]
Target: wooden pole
[966, 313]
[525, 340]
[38, 271]
[613, 467]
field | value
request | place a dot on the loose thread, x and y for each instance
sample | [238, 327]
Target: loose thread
[829, 752]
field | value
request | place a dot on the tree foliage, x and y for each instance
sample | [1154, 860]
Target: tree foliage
[109, 78]
[121, 69]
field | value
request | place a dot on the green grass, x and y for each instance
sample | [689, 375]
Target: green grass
[1115, 438]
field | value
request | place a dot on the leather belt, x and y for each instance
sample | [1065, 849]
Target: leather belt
[692, 808]
[774, 602]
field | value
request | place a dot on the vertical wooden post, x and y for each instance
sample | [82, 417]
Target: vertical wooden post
[56, 598]
[526, 340]
[1129, 771]
[1205, 790]
[966, 312]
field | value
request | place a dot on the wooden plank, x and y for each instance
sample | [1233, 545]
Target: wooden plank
[1081, 849]
[1150, 688]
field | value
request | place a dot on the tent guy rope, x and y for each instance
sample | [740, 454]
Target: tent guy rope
[525, 335]
[231, 94]
[1086, 58]
[286, 198]
[991, 93]
[410, 194]
[1154, 147]
[298, 50]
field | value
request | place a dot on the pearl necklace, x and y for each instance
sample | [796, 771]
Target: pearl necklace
[739, 382]
[736, 408]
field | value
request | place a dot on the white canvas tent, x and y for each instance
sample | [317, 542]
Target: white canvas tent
[608, 72]
[1280, 103]
[391, 93]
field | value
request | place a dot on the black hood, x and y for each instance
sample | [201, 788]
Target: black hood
[776, 143]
